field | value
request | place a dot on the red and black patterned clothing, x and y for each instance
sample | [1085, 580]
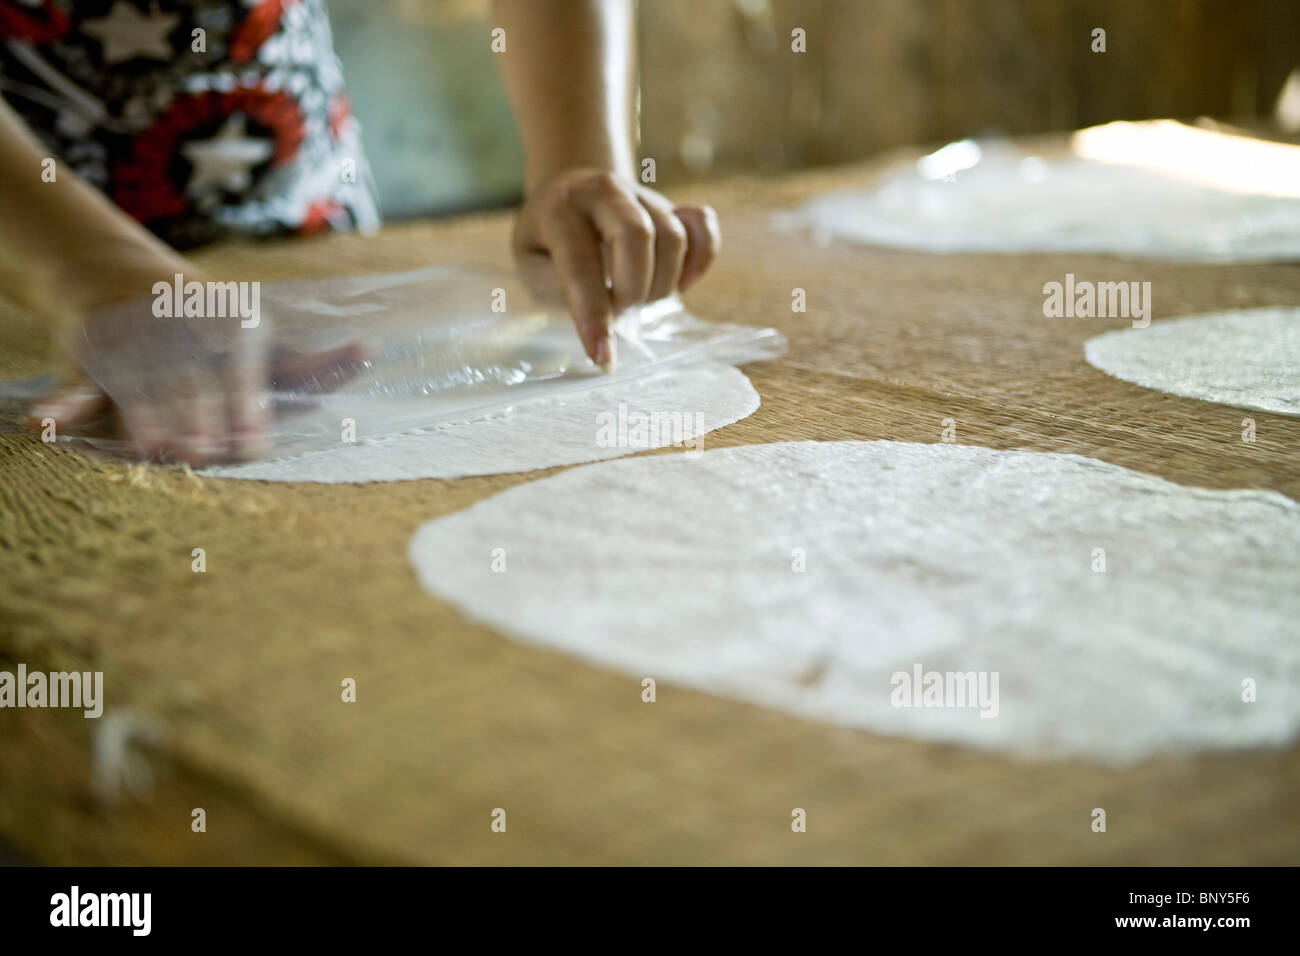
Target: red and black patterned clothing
[200, 118]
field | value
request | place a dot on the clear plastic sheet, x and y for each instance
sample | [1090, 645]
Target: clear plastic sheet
[391, 353]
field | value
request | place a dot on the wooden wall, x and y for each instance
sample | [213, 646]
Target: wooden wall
[722, 90]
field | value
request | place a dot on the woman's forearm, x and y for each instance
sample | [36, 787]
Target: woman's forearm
[569, 68]
[64, 247]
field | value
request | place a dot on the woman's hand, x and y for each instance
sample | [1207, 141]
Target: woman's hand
[589, 234]
[601, 243]
[185, 390]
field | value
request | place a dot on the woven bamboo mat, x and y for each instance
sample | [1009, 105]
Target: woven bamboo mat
[307, 585]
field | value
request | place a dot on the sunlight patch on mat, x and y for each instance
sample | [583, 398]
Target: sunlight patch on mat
[1158, 189]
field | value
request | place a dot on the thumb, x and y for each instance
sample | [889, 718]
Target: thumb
[72, 403]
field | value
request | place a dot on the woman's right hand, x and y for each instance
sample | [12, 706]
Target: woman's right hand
[190, 389]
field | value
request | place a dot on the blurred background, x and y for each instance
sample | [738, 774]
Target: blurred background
[722, 92]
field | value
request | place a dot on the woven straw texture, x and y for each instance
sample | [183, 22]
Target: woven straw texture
[307, 585]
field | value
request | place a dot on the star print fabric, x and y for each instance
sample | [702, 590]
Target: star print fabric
[199, 118]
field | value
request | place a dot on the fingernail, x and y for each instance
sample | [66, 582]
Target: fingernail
[605, 354]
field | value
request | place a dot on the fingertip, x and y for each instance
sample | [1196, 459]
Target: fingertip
[248, 437]
[606, 354]
[145, 433]
[592, 323]
[591, 339]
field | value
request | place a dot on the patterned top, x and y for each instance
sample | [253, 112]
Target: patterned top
[200, 118]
